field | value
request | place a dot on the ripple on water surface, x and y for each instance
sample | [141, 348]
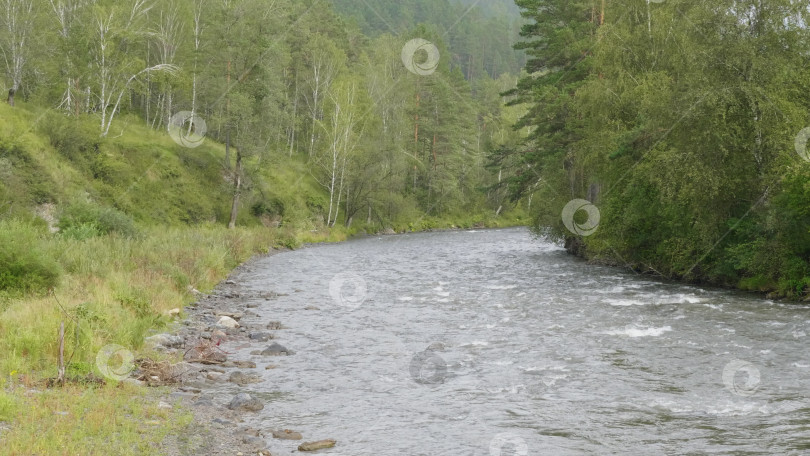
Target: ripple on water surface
[496, 342]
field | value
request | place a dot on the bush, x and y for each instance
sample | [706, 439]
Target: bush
[71, 137]
[24, 267]
[81, 232]
[80, 220]
[268, 207]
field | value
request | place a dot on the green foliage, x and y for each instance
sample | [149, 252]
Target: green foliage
[72, 138]
[268, 207]
[80, 220]
[25, 264]
[690, 159]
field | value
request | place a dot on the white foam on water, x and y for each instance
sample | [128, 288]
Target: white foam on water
[405, 298]
[476, 343]
[500, 287]
[443, 293]
[625, 302]
[640, 332]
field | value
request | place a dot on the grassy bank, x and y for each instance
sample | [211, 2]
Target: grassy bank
[111, 290]
[108, 235]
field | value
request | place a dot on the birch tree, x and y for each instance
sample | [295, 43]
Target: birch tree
[116, 70]
[324, 64]
[343, 130]
[16, 26]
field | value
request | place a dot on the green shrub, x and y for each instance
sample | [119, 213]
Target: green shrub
[24, 266]
[81, 231]
[268, 207]
[79, 219]
[71, 137]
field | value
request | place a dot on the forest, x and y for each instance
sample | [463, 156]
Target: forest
[309, 81]
[683, 123]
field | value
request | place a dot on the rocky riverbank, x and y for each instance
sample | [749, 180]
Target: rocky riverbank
[217, 323]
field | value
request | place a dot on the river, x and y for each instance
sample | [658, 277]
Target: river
[495, 342]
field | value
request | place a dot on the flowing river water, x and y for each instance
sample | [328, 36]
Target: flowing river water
[496, 342]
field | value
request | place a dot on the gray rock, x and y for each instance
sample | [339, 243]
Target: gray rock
[244, 401]
[242, 379]
[287, 434]
[260, 336]
[276, 349]
[234, 315]
[165, 340]
[256, 443]
[245, 364]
